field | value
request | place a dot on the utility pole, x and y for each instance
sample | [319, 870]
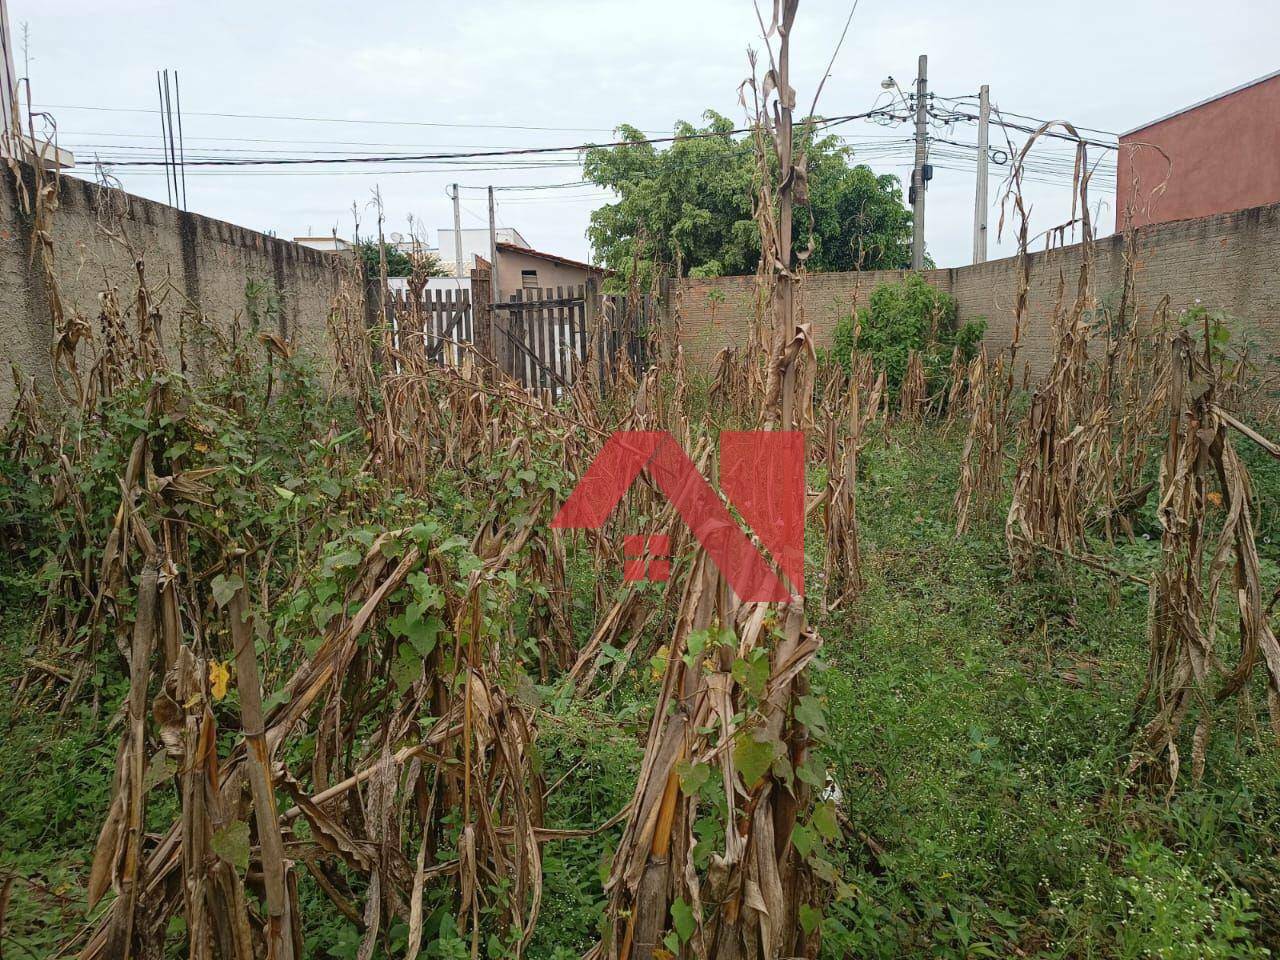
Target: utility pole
[458, 270]
[493, 252]
[980, 191]
[918, 179]
[502, 351]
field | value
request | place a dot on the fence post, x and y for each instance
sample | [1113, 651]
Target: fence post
[482, 320]
[667, 334]
[590, 321]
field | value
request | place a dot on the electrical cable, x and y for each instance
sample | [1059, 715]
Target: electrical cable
[393, 123]
[823, 122]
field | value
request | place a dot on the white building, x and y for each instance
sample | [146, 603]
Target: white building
[330, 244]
[475, 242]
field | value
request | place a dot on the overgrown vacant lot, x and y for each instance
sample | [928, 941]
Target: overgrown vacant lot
[975, 725]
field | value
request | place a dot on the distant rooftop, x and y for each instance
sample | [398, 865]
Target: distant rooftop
[552, 257]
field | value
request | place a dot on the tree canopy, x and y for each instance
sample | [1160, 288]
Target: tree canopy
[399, 263]
[688, 207]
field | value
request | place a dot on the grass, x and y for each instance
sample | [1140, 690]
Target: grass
[978, 734]
[980, 730]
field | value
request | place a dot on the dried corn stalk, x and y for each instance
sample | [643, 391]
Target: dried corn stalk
[1064, 430]
[843, 555]
[713, 721]
[982, 459]
[957, 386]
[913, 394]
[731, 385]
[1186, 676]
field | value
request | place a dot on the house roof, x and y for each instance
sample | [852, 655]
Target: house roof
[1201, 103]
[554, 258]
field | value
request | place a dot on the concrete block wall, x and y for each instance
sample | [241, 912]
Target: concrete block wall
[190, 261]
[1230, 262]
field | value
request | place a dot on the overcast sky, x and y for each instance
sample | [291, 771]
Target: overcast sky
[452, 76]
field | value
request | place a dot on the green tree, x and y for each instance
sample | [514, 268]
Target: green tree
[399, 263]
[687, 208]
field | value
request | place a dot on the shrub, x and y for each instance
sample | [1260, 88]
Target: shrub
[905, 316]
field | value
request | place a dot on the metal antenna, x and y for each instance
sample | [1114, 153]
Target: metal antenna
[173, 155]
[164, 149]
[182, 153]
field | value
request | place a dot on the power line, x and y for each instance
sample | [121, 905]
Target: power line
[824, 122]
[1037, 120]
[1047, 169]
[997, 118]
[66, 134]
[390, 123]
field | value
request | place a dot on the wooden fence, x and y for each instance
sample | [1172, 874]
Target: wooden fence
[443, 318]
[547, 337]
[543, 338]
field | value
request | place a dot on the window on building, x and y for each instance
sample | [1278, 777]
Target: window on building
[529, 279]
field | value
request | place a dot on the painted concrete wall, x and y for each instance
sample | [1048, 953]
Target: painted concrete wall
[1221, 156]
[550, 274]
[189, 260]
[1229, 262]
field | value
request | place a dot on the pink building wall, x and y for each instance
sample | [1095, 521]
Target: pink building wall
[1222, 155]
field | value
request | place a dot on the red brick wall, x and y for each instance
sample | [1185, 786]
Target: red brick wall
[1214, 158]
[1229, 262]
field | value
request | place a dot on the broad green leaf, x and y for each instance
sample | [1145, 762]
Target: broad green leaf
[423, 634]
[322, 613]
[341, 560]
[824, 820]
[812, 771]
[455, 542]
[810, 917]
[231, 843]
[224, 588]
[682, 917]
[407, 667]
[752, 758]
[809, 712]
[824, 870]
[692, 776]
[803, 840]
[752, 674]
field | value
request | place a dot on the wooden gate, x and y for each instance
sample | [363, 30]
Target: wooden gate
[545, 337]
[542, 337]
[443, 319]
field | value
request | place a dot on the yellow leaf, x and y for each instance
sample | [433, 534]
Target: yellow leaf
[219, 676]
[658, 665]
